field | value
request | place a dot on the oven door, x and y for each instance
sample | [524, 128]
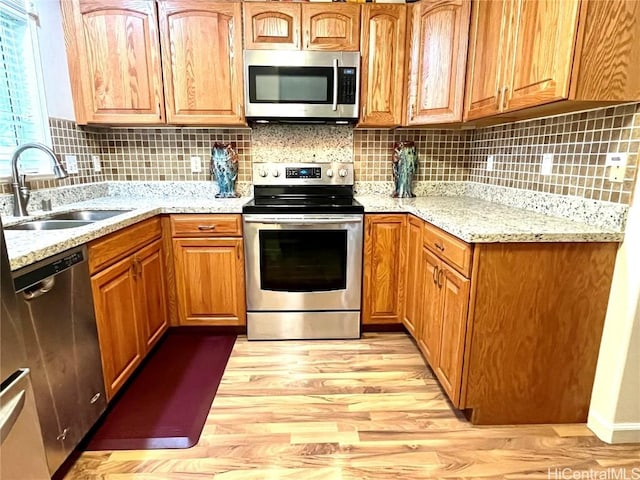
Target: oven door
[303, 262]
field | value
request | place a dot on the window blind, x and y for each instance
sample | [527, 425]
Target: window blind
[22, 114]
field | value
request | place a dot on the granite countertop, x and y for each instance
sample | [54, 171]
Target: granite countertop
[479, 221]
[28, 246]
[470, 219]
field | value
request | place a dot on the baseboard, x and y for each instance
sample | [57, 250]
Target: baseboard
[613, 432]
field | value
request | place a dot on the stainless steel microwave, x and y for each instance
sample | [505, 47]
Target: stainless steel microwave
[301, 85]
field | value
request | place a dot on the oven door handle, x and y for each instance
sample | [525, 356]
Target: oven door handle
[303, 222]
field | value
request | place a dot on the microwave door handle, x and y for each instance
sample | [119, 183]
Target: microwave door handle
[335, 84]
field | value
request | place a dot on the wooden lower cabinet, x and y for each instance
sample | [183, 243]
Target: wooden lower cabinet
[414, 275]
[210, 281]
[152, 293]
[114, 297]
[129, 298]
[511, 330]
[383, 278]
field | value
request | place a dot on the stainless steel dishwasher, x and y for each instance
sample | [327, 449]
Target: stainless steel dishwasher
[63, 353]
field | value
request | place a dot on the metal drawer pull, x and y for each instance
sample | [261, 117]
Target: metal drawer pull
[439, 246]
[206, 227]
[435, 273]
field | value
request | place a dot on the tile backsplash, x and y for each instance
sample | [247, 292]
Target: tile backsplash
[578, 141]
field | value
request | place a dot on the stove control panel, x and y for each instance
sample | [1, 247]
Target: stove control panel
[303, 173]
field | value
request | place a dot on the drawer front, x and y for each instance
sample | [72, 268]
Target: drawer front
[113, 247]
[206, 225]
[449, 248]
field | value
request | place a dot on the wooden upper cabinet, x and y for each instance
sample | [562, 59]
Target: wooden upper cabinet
[439, 39]
[541, 52]
[331, 27]
[383, 57]
[487, 40]
[557, 56]
[202, 61]
[272, 26]
[114, 61]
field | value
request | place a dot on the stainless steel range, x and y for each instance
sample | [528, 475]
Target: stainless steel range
[303, 249]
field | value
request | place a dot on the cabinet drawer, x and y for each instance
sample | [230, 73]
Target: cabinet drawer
[206, 226]
[449, 248]
[108, 250]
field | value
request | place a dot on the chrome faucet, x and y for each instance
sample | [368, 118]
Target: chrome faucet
[20, 190]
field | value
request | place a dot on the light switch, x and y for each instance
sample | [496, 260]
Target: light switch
[71, 161]
[547, 164]
[196, 165]
[489, 163]
[97, 166]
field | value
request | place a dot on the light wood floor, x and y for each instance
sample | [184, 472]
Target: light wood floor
[358, 409]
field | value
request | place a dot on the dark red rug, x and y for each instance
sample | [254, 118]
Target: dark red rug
[166, 404]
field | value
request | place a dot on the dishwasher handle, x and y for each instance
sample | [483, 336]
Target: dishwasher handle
[13, 406]
[39, 289]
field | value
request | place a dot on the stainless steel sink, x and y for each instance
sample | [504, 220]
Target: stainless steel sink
[87, 215]
[49, 224]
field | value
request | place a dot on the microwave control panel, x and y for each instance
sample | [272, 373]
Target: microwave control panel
[347, 85]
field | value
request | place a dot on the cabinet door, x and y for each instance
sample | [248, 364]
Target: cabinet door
[114, 296]
[271, 26]
[149, 272]
[455, 305]
[414, 286]
[431, 312]
[383, 275]
[541, 52]
[487, 58]
[439, 38]
[210, 281]
[382, 77]
[331, 27]
[202, 61]
[114, 61]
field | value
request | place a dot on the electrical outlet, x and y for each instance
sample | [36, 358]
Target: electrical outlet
[196, 165]
[97, 166]
[547, 164]
[71, 161]
[489, 163]
[617, 163]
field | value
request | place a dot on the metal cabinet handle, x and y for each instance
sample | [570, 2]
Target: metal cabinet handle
[440, 275]
[505, 89]
[335, 84]
[39, 288]
[63, 435]
[95, 398]
[435, 273]
[206, 227]
[439, 246]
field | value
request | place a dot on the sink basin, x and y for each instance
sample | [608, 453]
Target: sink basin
[49, 224]
[87, 215]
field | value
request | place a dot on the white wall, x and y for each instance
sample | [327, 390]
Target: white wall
[54, 60]
[614, 414]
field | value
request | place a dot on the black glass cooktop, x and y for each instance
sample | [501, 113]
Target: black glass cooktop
[303, 200]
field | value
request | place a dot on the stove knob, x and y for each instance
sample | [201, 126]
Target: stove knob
[262, 173]
[275, 173]
[329, 173]
[342, 172]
